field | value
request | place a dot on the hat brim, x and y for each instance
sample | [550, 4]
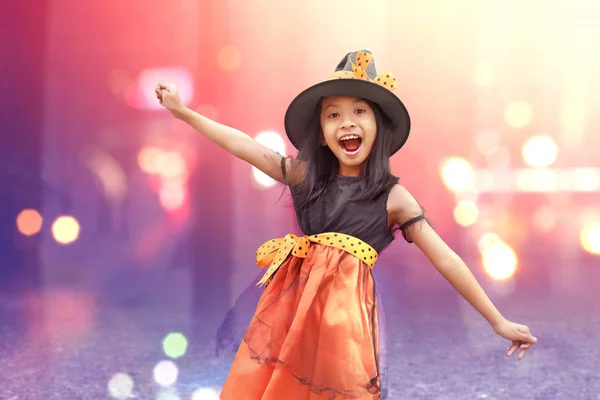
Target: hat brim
[303, 108]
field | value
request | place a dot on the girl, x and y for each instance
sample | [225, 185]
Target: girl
[315, 332]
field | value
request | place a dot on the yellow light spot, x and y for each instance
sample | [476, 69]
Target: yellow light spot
[590, 238]
[65, 229]
[175, 345]
[518, 114]
[229, 58]
[466, 213]
[29, 222]
[499, 261]
[457, 174]
[540, 151]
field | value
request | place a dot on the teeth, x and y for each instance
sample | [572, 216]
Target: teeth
[350, 137]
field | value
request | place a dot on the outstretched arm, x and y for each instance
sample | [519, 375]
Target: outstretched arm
[403, 207]
[230, 139]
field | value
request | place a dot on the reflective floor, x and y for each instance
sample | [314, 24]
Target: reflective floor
[54, 347]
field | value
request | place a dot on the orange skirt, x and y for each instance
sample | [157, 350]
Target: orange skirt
[314, 334]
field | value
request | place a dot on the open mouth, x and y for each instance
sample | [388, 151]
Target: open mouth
[351, 144]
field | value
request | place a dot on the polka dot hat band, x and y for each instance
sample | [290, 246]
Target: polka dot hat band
[274, 252]
[359, 71]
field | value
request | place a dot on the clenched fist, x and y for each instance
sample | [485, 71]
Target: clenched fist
[168, 97]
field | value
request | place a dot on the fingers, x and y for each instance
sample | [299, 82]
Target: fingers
[163, 91]
[512, 348]
[517, 345]
[524, 348]
[171, 88]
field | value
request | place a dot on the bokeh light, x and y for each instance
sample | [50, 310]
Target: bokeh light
[148, 159]
[108, 171]
[169, 393]
[537, 180]
[590, 237]
[275, 142]
[585, 179]
[166, 373]
[457, 174]
[466, 213]
[120, 386]
[29, 222]
[518, 114]
[499, 260]
[171, 164]
[172, 195]
[540, 151]
[175, 345]
[205, 394]
[65, 229]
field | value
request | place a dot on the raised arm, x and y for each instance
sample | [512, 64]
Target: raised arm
[406, 212]
[230, 139]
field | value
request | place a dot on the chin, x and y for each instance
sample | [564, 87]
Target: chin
[353, 162]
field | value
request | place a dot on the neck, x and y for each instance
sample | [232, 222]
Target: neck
[346, 170]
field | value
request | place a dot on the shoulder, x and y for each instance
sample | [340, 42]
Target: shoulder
[401, 205]
[294, 170]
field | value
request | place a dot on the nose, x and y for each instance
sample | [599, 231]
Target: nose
[348, 122]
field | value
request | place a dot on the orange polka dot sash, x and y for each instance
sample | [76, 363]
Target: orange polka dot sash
[359, 71]
[274, 252]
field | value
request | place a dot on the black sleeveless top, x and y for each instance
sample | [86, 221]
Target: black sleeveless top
[336, 211]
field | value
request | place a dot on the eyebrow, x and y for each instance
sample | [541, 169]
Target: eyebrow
[337, 105]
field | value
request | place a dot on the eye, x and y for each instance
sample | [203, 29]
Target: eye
[360, 111]
[334, 115]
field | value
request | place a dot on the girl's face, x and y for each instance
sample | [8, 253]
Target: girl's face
[349, 130]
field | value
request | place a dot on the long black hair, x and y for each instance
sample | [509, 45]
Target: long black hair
[322, 166]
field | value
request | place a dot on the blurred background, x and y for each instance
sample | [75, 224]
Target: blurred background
[125, 236]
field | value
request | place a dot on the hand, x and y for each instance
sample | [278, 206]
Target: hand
[520, 335]
[168, 97]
